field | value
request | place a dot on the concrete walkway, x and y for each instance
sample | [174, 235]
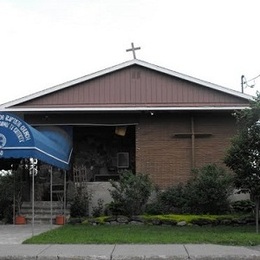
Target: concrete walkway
[16, 234]
[11, 237]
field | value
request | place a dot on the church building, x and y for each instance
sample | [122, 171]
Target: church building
[137, 116]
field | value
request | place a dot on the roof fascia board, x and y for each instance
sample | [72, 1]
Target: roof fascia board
[124, 109]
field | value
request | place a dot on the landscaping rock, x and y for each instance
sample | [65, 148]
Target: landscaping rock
[241, 222]
[182, 223]
[114, 223]
[226, 222]
[156, 222]
[110, 219]
[136, 223]
[137, 218]
[92, 221]
[122, 219]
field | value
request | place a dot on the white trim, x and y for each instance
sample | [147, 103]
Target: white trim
[88, 124]
[123, 109]
[121, 66]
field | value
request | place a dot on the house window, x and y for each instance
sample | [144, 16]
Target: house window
[122, 160]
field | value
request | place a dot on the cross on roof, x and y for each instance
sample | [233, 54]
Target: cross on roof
[133, 49]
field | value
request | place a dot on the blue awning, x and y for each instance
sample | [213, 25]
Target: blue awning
[18, 139]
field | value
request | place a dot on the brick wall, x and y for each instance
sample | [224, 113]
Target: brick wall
[166, 154]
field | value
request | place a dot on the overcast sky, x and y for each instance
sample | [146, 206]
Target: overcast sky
[48, 42]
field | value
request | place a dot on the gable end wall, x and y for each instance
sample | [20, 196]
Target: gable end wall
[132, 87]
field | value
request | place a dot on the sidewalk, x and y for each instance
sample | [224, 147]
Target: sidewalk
[129, 252]
[11, 237]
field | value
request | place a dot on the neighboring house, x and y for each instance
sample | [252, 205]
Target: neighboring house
[137, 116]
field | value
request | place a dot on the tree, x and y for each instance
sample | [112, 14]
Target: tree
[243, 156]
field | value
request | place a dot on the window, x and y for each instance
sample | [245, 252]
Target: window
[122, 160]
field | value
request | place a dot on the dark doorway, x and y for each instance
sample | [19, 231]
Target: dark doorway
[104, 151]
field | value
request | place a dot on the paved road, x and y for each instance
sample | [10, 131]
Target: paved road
[11, 237]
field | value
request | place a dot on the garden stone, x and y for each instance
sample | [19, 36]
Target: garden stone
[182, 223]
[110, 219]
[156, 222]
[137, 218]
[226, 222]
[136, 223]
[242, 222]
[122, 219]
[92, 221]
[114, 223]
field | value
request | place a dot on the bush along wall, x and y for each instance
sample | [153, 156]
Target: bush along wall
[204, 198]
[207, 192]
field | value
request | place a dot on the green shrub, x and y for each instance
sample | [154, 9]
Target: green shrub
[243, 206]
[173, 199]
[115, 208]
[154, 208]
[6, 197]
[206, 193]
[209, 190]
[130, 193]
[80, 204]
[98, 210]
[6, 211]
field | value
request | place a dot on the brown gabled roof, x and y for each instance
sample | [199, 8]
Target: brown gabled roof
[134, 85]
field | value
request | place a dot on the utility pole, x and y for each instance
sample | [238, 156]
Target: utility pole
[242, 83]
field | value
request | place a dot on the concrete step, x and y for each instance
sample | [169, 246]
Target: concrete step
[41, 204]
[42, 211]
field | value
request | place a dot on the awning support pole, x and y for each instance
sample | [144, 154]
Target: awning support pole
[64, 195]
[51, 195]
[14, 197]
[32, 170]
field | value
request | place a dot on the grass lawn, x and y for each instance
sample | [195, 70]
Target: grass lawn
[148, 234]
